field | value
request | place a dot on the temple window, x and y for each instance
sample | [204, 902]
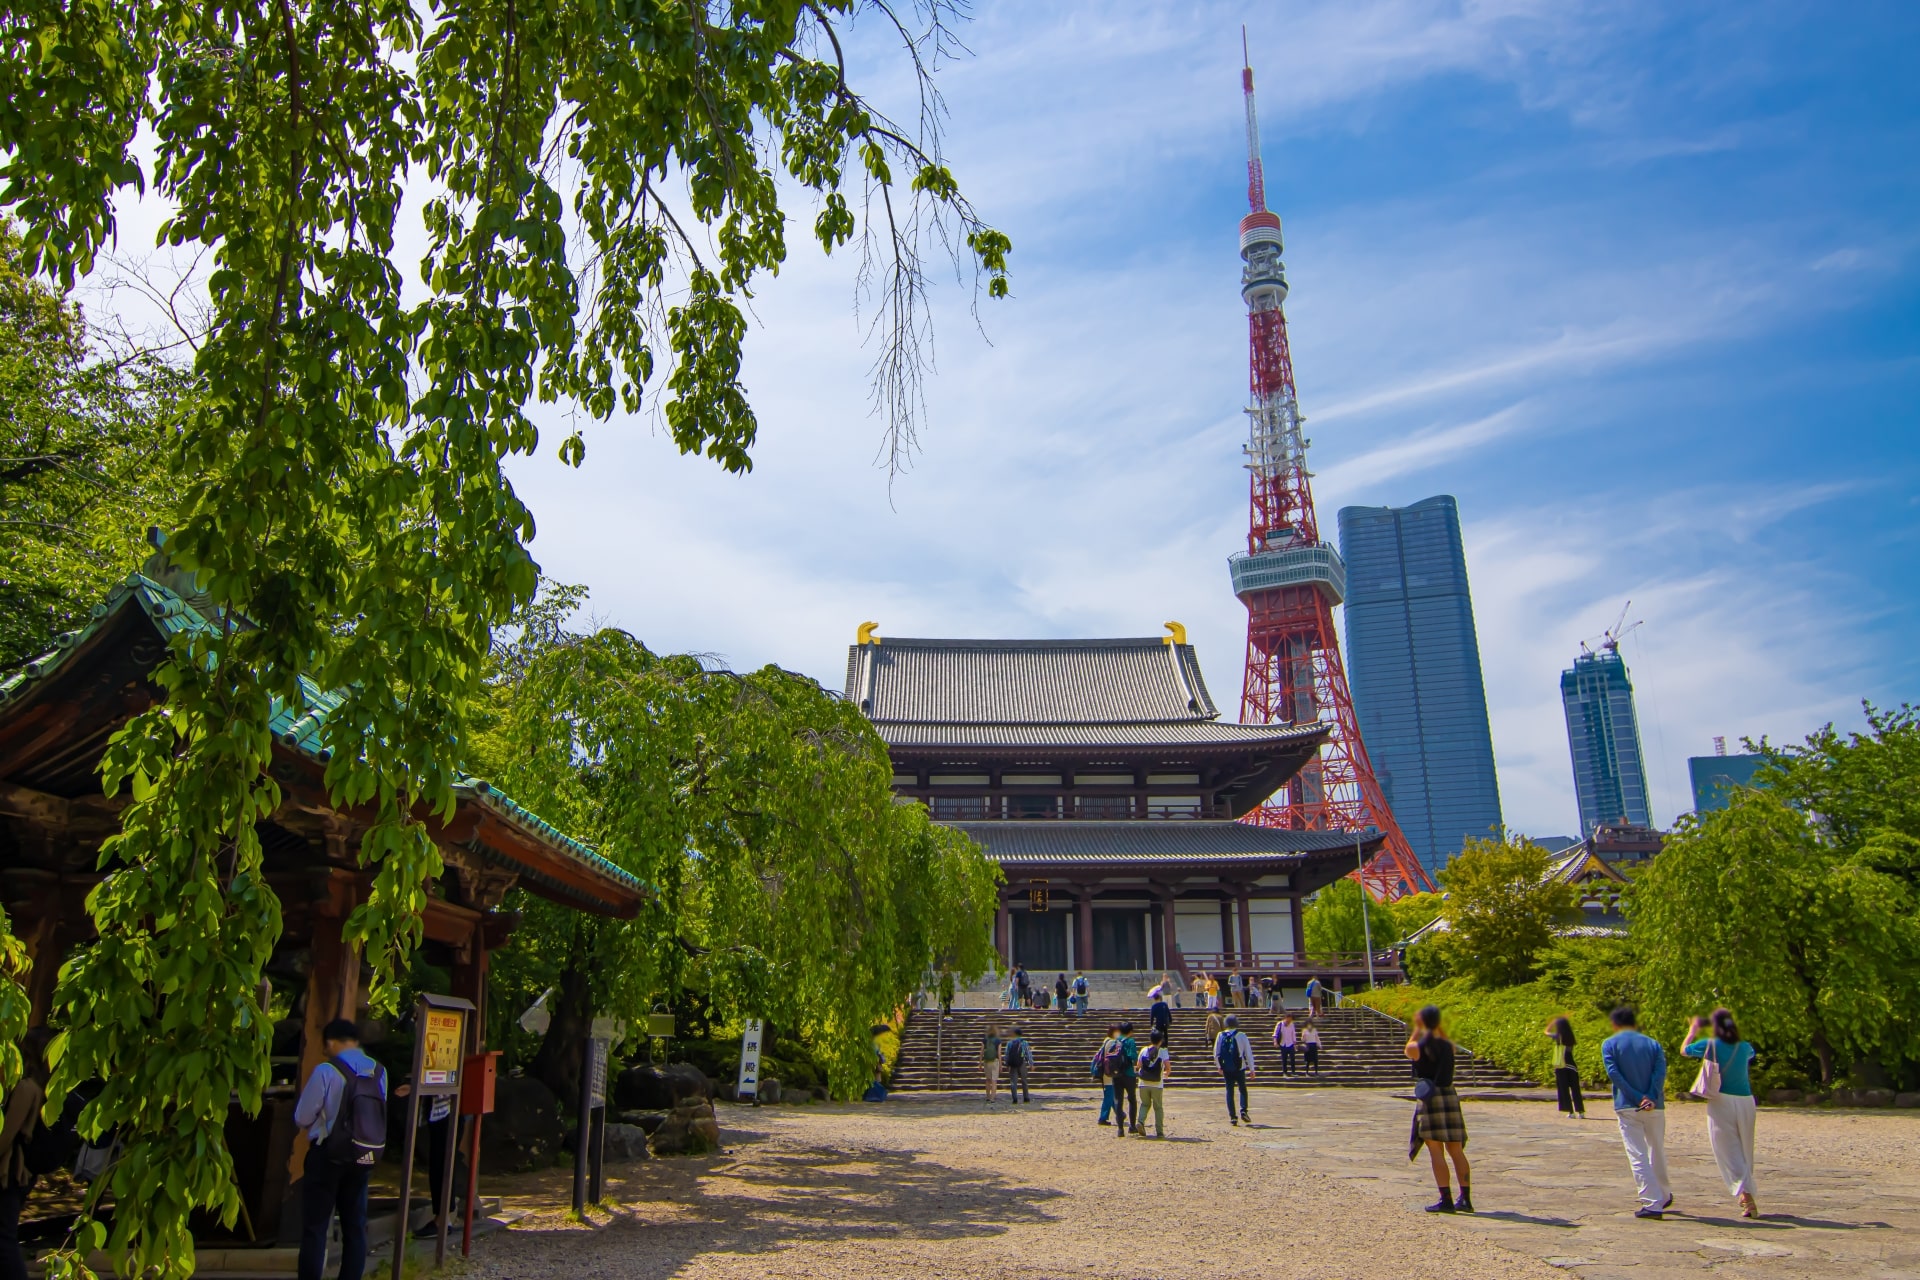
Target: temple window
[959, 808]
[1019, 806]
[1173, 806]
[1109, 807]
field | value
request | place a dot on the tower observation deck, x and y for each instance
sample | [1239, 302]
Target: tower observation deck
[1290, 580]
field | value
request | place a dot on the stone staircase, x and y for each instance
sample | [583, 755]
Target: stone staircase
[1360, 1048]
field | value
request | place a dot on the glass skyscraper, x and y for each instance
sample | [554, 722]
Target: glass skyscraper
[1414, 662]
[1609, 772]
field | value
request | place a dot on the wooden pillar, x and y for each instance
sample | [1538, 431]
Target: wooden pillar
[1003, 933]
[1170, 937]
[1246, 929]
[1299, 933]
[1227, 944]
[46, 948]
[470, 982]
[1083, 935]
[333, 987]
[1156, 941]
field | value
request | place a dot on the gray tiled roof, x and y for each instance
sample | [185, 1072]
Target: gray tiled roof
[1184, 840]
[1028, 682]
[1198, 733]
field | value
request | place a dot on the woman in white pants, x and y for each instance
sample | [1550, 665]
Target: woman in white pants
[1730, 1112]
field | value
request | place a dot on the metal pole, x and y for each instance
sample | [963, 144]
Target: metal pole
[446, 1182]
[586, 1120]
[402, 1229]
[1366, 922]
[473, 1186]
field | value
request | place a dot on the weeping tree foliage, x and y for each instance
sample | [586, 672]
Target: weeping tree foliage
[1798, 906]
[1502, 911]
[83, 439]
[598, 188]
[787, 883]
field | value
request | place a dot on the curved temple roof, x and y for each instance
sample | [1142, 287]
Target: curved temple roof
[301, 729]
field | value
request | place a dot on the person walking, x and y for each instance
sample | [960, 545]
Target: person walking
[1637, 1066]
[1730, 1106]
[1286, 1038]
[1566, 1076]
[1080, 994]
[1213, 992]
[1310, 1048]
[1018, 1055]
[337, 1169]
[1023, 983]
[1199, 985]
[1233, 1054]
[1153, 1070]
[1215, 1022]
[1061, 992]
[1122, 1064]
[1101, 1074]
[1314, 991]
[1160, 1015]
[1438, 1124]
[23, 1118]
[990, 1059]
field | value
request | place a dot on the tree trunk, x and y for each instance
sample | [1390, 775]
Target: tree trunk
[557, 1064]
[1825, 1053]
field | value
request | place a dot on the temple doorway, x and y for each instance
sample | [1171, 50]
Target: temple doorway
[1040, 940]
[1119, 939]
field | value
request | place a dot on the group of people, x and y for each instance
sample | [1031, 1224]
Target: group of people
[1636, 1066]
[1244, 991]
[1023, 993]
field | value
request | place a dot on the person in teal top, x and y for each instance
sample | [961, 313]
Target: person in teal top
[1731, 1112]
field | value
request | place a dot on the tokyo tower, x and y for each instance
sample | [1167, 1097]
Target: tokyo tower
[1290, 580]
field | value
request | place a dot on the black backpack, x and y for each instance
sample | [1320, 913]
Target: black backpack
[1123, 1064]
[359, 1130]
[1016, 1054]
[1152, 1063]
[1230, 1052]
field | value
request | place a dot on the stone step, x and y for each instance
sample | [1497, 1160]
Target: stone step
[1360, 1047]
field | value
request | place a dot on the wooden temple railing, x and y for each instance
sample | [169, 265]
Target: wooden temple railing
[1386, 964]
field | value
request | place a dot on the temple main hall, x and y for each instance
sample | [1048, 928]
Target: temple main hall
[1100, 777]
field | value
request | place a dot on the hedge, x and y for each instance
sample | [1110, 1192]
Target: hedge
[1507, 1026]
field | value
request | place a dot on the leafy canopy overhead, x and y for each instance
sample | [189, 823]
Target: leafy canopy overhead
[598, 189]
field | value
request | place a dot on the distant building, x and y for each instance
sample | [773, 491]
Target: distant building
[1414, 663]
[1603, 735]
[1556, 844]
[1715, 777]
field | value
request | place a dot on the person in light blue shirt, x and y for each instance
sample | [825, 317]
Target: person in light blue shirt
[1730, 1110]
[1637, 1066]
[329, 1185]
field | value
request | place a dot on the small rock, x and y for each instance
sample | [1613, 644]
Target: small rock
[1873, 1097]
[690, 1130]
[819, 1093]
[1841, 1097]
[1906, 1099]
[626, 1142]
[769, 1090]
[1783, 1097]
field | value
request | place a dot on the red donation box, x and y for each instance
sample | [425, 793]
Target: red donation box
[476, 1083]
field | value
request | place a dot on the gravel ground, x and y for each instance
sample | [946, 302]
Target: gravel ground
[1319, 1186]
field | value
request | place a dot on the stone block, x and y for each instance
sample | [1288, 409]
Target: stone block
[1873, 1097]
[1783, 1097]
[626, 1142]
[1906, 1099]
[769, 1090]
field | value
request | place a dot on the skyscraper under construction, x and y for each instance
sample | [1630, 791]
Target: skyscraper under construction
[1603, 734]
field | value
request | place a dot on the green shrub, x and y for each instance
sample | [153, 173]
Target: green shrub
[1507, 1026]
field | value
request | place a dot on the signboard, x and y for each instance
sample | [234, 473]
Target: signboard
[606, 1033]
[749, 1084]
[443, 1035]
[1037, 899]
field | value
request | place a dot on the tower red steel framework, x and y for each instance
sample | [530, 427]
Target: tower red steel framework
[1290, 580]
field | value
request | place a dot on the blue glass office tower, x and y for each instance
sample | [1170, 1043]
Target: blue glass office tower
[1414, 662]
[1609, 773]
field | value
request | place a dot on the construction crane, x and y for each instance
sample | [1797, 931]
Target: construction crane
[1610, 638]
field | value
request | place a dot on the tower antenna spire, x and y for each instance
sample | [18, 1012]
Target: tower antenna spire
[1290, 580]
[1256, 177]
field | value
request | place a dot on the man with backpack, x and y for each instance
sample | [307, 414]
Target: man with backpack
[1018, 1055]
[1233, 1054]
[1119, 1057]
[1160, 1014]
[1080, 995]
[1154, 1061]
[343, 1111]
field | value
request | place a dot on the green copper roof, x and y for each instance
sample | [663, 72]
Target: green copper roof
[297, 727]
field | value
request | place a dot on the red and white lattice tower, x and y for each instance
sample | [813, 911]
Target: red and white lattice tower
[1290, 580]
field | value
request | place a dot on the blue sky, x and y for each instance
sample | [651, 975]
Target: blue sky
[1639, 284]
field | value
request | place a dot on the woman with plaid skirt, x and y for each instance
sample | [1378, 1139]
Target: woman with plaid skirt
[1438, 1124]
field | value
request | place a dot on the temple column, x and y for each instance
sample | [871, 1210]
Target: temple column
[1228, 944]
[1083, 933]
[1169, 937]
[1299, 932]
[1246, 929]
[1003, 932]
[1156, 941]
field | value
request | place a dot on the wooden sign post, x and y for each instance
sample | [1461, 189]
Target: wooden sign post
[439, 1052]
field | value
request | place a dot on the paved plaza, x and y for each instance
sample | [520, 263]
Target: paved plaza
[1319, 1186]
